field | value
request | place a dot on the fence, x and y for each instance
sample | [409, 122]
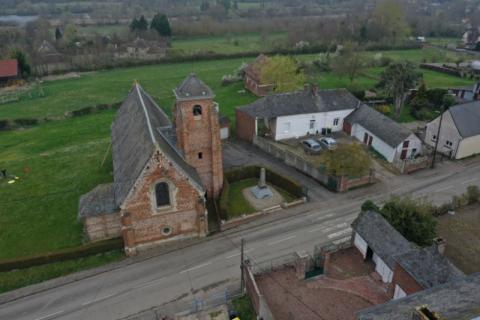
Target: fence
[333, 183]
[411, 165]
[197, 303]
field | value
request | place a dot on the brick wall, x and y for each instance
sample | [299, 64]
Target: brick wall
[245, 126]
[105, 226]
[257, 89]
[201, 135]
[143, 222]
[404, 280]
[258, 300]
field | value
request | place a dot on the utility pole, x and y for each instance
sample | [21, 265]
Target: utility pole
[438, 138]
[242, 265]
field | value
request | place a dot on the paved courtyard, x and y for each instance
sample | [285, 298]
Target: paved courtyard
[347, 286]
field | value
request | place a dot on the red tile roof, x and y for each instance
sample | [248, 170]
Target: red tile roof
[8, 68]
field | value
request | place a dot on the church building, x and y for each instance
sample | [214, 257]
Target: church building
[163, 172]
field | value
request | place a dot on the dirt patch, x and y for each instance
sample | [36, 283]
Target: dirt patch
[461, 231]
[70, 75]
[348, 263]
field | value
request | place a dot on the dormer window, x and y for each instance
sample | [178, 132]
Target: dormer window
[162, 194]
[197, 110]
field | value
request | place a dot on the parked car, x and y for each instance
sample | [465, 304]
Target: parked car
[311, 146]
[328, 143]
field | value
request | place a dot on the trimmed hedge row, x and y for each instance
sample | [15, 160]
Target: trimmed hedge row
[8, 124]
[62, 255]
[249, 172]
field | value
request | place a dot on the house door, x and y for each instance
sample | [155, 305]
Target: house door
[369, 255]
[403, 155]
[370, 139]
[365, 138]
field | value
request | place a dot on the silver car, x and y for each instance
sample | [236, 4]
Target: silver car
[311, 146]
[328, 143]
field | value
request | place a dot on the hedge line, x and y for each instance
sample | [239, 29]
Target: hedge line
[12, 124]
[62, 255]
[249, 172]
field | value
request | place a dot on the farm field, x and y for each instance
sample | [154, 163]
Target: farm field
[107, 87]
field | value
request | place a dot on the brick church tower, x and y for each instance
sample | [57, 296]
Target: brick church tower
[198, 132]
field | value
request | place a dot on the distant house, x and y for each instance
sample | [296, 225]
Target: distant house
[406, 268]
[389, 138]
[468, 93]
[471, 38]
[8, 70]
[252, 78]
[457, 299]
[459, 135]
[292, 115]
[142, 49]
[47, 59]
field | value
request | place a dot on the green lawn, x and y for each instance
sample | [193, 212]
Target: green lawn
[56, 163]
[244, 307]
[228, 44]
[21, 278]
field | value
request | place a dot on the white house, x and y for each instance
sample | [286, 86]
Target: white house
[379, 242]
[296, 114]
[459, 133]
[387, 137]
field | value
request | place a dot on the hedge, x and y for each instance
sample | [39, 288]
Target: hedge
[62, 255]
[249, 172]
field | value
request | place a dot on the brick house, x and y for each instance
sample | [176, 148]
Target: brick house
[405, 267]
[252, 78]
[162, 172]
[8, 70]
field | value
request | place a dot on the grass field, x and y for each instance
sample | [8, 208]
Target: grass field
[25, 277]
[159, 80]
[56, 163]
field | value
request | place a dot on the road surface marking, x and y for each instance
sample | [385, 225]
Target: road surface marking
[341, 240]
[443, 189]
[316, 229]
[281, 240]
[469, 181]
[339, 233]
[196, 267]
[239, 253]
[50, 315]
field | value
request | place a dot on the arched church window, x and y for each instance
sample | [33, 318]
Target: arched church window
[197, 110]
[162, 194]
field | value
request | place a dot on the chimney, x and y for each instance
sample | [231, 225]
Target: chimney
[424, 313]
[440, 245]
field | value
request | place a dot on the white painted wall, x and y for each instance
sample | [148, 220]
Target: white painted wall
[224, 133]
[360, 244]
[414, 143]
[399, 293]
[468, 147]
[295, 126]
[383, 270]
[388, 152]
[448, 132]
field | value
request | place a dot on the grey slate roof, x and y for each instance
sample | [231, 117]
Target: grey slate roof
[99, 201]
[192, 87]
[428, 267]
[139, 129]
[467, 118]
[455, 300]
[391, 132]
[381, 237]
[301, 102]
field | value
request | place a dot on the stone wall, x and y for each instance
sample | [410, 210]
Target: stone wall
[102, 227]
[411, 165]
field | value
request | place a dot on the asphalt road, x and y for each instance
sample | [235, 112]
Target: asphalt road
[180, 273]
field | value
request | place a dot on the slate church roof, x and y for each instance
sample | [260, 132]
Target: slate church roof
[139, 129]
[381, 237]
[454, 300]
[193, 88]
[301, 102]
[389, 131]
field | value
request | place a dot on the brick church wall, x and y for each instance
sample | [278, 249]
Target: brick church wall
[143, 221]
[201, 134]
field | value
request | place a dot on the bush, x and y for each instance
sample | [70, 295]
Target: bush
[369, 205]
[473, 194]
[383, 108]
[67, 254]
[83, 111]
[26, 122]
